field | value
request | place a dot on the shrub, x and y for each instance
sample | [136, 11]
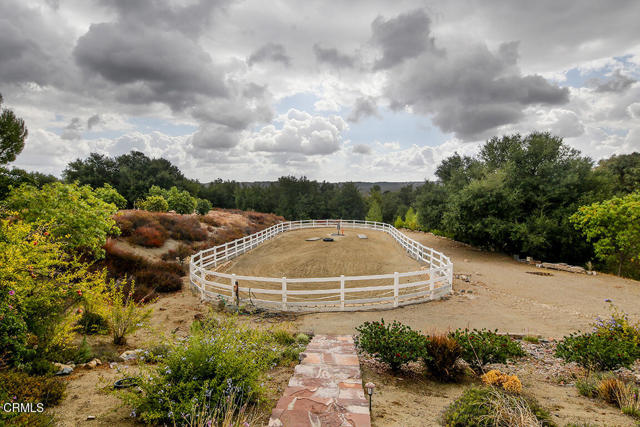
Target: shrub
[587, 385]
[203, 206]
[218, 360]
[480, 347]
[92, 323]
[160, 281]
[442, 352]
[510, 383]
[488, 406]
[628, 399]
[394, 344]
[532, 339]
[125, 315]
[608, 389]
[597, 351]
[44, 389]
[181, 252]
[80, 220]
[154, 204]
[110, 195]
[148, 236]
[302, 339]
[283, 336]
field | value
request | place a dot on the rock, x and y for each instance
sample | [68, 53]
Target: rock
[92, 364]
[63, 369]
[131, 354]
[91, 417]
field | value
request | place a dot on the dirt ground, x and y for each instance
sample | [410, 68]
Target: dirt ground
[291, 255]
[500, 294]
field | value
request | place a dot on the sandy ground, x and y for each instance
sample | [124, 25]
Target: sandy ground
[503, 296]
[290, 255]
[412, 400]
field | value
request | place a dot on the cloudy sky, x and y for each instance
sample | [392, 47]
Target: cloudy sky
[335, 90]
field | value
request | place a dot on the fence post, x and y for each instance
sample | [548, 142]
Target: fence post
[233, 286]
[342, 292]
[396, 282]
[284, 294]
[432, 284]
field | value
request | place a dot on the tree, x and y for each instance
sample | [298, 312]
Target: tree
[398, 223]
[12, 135]
[180, 201]
[41, 286]
[16, 177]
[76, 215]
[411, 220]
[111, 195]
[375, 212]
[154, 204]
[614, 228]
[203, 206]
[624, 170]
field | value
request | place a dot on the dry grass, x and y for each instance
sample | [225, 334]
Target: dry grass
[511, 410]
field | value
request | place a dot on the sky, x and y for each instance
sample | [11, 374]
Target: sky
[343, 90]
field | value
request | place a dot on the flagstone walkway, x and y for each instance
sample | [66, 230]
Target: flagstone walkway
[326, 388]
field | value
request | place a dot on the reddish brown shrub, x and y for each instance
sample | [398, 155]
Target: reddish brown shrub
[182, 251]
[118, 260]
[148, 236]
[158, 280]
[125, 226]
[442, 353]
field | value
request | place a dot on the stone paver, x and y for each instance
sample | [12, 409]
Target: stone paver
[326, 388]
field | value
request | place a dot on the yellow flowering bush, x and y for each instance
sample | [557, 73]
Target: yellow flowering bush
[41, 288]
[510, 383]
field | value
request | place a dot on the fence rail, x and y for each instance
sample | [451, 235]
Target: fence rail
[342, 293]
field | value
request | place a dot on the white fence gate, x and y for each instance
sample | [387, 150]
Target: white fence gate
[343, 293]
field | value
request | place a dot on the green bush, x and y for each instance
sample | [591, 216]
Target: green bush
[93, 323]
[480, 347]
[220, 358]
[203, 206]
[597, 351]
[37, 389]
[154, 204]
[488, 406]
[394, 344]
[441, 354]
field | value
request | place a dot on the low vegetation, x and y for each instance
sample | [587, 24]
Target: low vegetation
[221, 365]
[392, 343]
[481, 347]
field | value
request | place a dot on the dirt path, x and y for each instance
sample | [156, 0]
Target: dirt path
[503, 295]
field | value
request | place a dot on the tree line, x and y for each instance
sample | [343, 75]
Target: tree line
[519, 195]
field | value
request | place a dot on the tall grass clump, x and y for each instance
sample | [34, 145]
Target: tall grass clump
[125, 315]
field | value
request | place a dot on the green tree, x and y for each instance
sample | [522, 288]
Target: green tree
[12, 135]
[431, 204]
[398, 223]
[411, 220]
[203, 206]
[40, 285]
[180, 201]
[80, 219]
[624, 170]
[614, 228]
[375, 212]
[110, 195]
[16, 177]
[154, 204]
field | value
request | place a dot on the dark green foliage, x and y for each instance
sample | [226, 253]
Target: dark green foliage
[203, 206]
[480, 347]
[46, 389]
[487, 406]
[441, 354]
[16, 177]
[92, 323]
[394, 344]
[623, 171]
[598, 350]
[12, 135]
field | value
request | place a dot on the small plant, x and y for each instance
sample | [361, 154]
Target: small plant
[489, 406]
[597, 351]
[587, 386]
[92, 323]
[628, 399]
[124, 314]
[532, 339]
[394, 344]
[510, 383]
[608, 388]
[480, 347]
[302, 339]
[283, 336]
[441, 353]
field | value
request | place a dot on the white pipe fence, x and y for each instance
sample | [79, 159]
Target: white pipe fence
[341, 293]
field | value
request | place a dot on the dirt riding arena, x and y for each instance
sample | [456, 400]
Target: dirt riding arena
[500, 293]
[291, 255]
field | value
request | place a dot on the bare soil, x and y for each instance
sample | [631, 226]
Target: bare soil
[500, 294]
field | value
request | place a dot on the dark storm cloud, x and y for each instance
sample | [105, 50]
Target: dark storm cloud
[159, 66]
[73, 130]
[93, 121]
[333, 57]
[467, 91]
[270, 52]
[30, 50]
[401, 38]
[616, 83]
[364, 107]
[191, 19]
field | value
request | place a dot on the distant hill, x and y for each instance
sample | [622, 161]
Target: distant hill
[364, 187]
